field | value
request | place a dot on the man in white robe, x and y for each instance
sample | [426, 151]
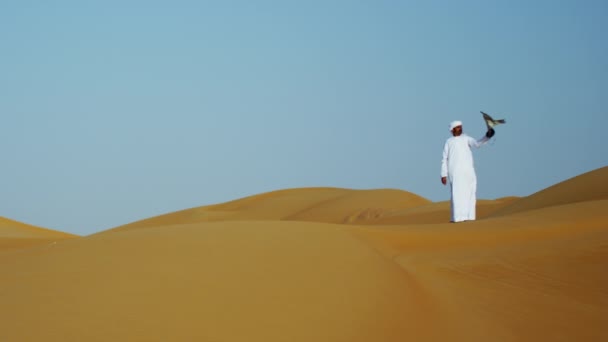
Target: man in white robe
[457, 168]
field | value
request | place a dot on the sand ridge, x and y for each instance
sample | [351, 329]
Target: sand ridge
[328, 205]
[589, 186]
[16, 235]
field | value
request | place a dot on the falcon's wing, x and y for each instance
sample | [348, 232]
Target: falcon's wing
[488, 119]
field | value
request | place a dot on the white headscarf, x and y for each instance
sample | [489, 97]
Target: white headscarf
[454, 124]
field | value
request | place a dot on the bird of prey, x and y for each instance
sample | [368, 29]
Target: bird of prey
[491, 122]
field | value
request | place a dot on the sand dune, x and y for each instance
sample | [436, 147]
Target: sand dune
[589, 186]
[328, 205]
[438, 212]
[226, 281]
[538, 275]
[14, 234]
[324, 264]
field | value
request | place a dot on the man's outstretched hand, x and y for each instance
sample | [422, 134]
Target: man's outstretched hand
[490, 133]
[444, 180]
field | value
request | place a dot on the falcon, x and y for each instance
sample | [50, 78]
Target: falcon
[491, 122]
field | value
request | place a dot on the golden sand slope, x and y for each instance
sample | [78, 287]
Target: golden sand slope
[253, 270]
[247, 281]
[589, 186]
[538, 275]
[15, 234]
[329, 205]
[437, 212]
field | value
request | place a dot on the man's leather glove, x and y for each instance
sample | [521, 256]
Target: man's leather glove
[490, 133]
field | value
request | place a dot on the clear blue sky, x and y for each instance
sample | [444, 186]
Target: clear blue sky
[115, 111]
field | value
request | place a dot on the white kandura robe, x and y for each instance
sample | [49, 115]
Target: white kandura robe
[457, 165]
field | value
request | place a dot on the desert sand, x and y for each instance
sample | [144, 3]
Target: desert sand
[321, 264]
